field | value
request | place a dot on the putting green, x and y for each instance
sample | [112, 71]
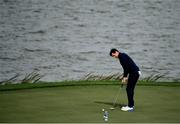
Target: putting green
[85, 103]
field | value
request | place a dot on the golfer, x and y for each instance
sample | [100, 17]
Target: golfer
[130, 76]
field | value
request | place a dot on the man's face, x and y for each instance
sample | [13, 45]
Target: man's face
[115, 55]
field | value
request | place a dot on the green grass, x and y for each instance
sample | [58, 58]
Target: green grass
[83, 101]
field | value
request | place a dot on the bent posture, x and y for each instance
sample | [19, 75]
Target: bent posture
[131, 75]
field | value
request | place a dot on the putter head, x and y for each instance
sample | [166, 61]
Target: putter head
[112, 108]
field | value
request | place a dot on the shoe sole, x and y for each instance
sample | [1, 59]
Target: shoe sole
[128, 110]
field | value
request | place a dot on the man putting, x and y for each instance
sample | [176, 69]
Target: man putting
[130, 76]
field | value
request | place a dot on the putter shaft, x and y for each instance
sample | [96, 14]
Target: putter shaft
[117, 95]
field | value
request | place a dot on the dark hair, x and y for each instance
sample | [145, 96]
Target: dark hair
[113, 51]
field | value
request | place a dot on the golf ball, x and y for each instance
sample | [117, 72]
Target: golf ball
[105, 119]
[103, 110]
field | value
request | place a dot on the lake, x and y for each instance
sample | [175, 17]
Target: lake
[67, 39]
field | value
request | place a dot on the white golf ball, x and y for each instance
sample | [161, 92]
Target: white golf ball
[103, 110]
[106, 119]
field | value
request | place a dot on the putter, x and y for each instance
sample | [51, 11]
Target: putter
[115, 99]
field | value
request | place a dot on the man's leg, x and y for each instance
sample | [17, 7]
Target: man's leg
[132, 80]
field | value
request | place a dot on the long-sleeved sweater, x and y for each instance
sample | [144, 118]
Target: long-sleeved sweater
[128, 64]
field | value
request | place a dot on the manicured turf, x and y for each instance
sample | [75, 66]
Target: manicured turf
[85, 103]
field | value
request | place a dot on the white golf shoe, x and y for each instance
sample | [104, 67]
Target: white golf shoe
[127, 108]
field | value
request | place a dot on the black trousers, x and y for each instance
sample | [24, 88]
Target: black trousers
[132, 80]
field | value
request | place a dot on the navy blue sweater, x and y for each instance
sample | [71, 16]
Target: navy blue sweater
[128, 64]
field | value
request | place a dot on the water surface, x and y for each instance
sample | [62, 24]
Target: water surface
[67, 39]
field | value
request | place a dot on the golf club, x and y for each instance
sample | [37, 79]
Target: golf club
[115, 99]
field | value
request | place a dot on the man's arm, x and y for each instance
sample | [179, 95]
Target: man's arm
[125, 61]
[125, 65]
[125, 73]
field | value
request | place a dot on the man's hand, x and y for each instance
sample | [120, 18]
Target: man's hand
[124, 80]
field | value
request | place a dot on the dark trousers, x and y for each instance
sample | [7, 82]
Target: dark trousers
[132, 80]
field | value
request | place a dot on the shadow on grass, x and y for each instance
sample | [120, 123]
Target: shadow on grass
[110, 103]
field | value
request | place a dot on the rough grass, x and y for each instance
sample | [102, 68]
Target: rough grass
[8, 87]
[82, 101]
